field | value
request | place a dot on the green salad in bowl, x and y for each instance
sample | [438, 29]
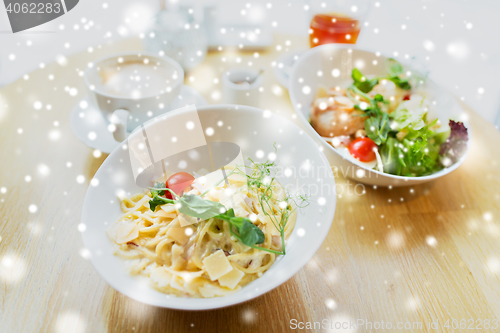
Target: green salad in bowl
[385, 124]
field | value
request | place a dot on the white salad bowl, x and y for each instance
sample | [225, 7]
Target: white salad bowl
[330, 65]
[303, 166]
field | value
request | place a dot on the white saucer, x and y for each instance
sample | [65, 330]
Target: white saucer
[284, 65]
[90, 127]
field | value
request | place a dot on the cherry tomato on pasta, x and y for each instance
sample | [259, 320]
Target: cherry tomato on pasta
[363, 149]
[178, 182]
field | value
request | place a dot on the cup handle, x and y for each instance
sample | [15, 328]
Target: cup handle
[119, 119]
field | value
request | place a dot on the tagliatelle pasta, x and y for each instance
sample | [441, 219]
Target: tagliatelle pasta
[190, 257]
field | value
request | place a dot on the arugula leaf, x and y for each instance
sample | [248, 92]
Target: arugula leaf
[158, 201]
[190, 204]
[361, 82]
[395, 69]
[196, 206]
[401, 83]
[248, 233]
[377, 128]
[230, 212]
[159, 186]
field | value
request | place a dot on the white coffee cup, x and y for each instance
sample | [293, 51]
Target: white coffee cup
[130, 88]
[236, 88]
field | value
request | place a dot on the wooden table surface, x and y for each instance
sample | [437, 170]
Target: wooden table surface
[402, 255]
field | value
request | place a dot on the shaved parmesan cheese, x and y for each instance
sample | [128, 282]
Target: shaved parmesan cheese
[124, 233]
[177, 232]
[177, 283]
[213, 195]
[212, 178]
[239, 211]
[207, 291]
[197, 184]
[192, 285]
[161, 277]
[217, 265]
[226, 198]
[168, 208]
[185, 220]
[231, 279]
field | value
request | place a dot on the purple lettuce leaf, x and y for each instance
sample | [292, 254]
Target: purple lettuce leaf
[456, 144]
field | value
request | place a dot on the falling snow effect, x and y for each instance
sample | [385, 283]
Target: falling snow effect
[70, 321]
[13, 268]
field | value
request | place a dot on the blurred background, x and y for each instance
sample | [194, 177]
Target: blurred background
[453, 40]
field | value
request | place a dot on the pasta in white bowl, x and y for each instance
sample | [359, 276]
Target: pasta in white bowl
[202, 258]
[157, 254]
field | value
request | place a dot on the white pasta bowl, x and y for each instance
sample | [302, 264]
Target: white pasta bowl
[255, 131]
[330, 65]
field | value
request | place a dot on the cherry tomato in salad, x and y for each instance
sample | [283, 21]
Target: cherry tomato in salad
[363, 149]
[178, 182]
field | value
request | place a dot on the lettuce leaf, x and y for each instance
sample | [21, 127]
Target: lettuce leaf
[394, 70]
[377, 128]
[415, 154]
[414, 119]
[361, 82]
[456, 144]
